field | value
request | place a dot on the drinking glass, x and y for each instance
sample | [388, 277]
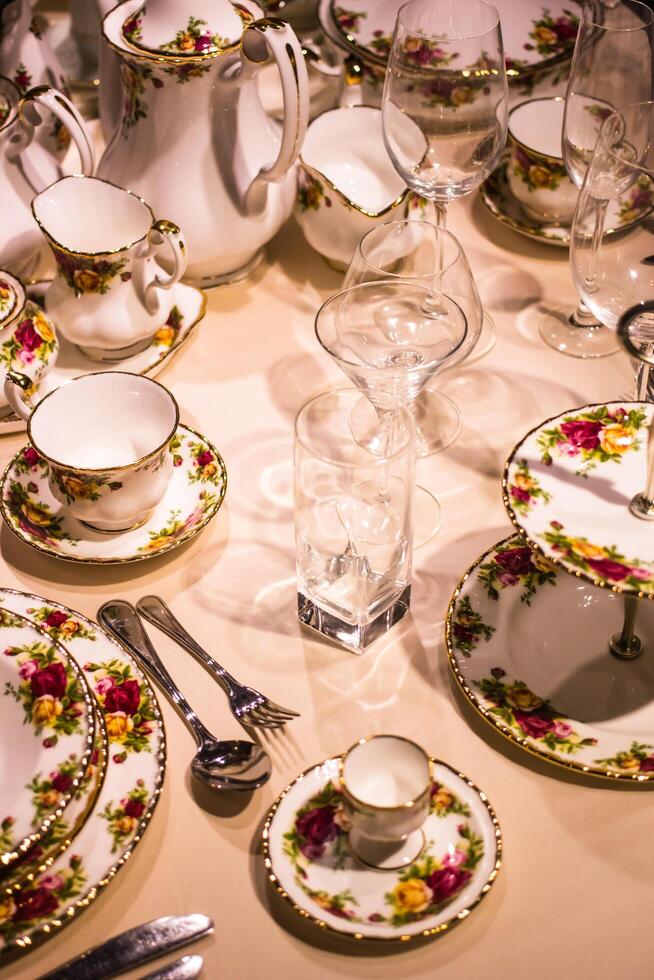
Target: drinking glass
[424, 253]
[611, 68]
[444, 108]
[353, 524]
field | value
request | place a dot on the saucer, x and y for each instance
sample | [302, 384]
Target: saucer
[189, 309]
[194, 495]
[309, 861]
[498, 199]
[529, 647]
[567, 487]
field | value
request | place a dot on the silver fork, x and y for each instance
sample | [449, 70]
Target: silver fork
[249, 706]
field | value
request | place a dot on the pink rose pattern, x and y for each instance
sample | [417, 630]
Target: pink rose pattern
[590, 437]
[603, 563]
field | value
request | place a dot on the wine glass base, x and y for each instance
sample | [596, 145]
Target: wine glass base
[486, 342]
[558, 331]
[437, 420]
[427, 517]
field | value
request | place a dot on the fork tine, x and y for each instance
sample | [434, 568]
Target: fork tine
[264, 709]
[277, 707]
[255, 718]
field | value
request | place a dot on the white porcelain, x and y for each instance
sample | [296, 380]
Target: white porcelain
[536, 172]
[25, 169]
[109, 295]
[347, 183]
[193, 138]
[27, 58]
[105, 438]
[386, 785]
[28, 342]
[202, 27]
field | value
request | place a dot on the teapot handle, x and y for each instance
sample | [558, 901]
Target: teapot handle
[17, 387]
[43, 97]
[160, 232]
[275, 36]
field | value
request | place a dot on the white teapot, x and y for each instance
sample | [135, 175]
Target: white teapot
[26, 169]
[193, 138]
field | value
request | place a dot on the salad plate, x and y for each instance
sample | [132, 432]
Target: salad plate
[537, 36]
[47, 725]
[189, 309]
[567, 487]
[192, 498]
[127, 797]
[497, 198]
[309, 861]
[529, 648]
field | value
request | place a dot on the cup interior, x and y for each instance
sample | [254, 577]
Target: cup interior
[347, 147]
[88, 215]
[103, 421]
[386, 771]
[538, 125]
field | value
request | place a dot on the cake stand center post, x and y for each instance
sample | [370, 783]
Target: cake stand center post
[626, 645]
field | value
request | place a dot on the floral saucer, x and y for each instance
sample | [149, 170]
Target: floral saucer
[47, 724]
[567, 487]
[308, 860]
[537, 35]
[194, 495]
[529, 647]
[127, 798]
[189, 309]
[496, 195]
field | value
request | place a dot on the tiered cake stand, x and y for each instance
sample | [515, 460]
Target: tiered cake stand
[548, 633]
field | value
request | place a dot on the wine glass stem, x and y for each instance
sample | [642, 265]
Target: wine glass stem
[644, 383]
[387, 420]
[440, 214]
[582, 317]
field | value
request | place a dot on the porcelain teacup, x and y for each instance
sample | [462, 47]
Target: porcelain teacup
[27, 338]
[536, 172]
[110, 295]
[386, 785]
[346, 182]
[105, 438]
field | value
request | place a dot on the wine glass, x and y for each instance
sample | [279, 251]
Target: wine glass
[444, 107]
[390, 337]
[614, 274]
[611, 68]
[424, 253]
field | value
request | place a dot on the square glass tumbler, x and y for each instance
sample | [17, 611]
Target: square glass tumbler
[353, 522]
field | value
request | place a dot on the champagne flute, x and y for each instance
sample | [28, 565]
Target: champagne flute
[611, 68]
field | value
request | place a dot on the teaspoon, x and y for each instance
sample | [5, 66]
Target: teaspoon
[233, 764]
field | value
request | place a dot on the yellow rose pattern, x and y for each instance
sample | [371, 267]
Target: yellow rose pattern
[123, 818]
[49, 690]
[601, 435]
[537, 173]
[89, 274]
[524, 490]
[603, 563]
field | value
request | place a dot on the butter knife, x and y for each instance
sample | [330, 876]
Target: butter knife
[186, 968]
[134, 947]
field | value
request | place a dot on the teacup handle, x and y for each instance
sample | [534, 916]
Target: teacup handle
[160, 232]
[29, 110]
[16, 387]
[275, 36]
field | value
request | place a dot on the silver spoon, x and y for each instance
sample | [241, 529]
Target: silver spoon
[233, 764]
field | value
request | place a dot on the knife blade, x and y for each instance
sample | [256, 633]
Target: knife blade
[134, 947]
[186, 968]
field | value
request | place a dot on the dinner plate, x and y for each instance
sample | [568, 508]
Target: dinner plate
[536, 35]
[129, 793]
[567, 488]
[308, 859]
[47, 726]
[192, 498]
[529, 647]
[189, 309]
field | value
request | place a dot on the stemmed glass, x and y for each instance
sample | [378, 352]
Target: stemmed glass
[390, 337]
[611, 68]
[614, 274]
[422, 252]
[444, 106]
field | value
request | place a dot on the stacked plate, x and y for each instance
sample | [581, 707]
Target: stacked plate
[82, 755]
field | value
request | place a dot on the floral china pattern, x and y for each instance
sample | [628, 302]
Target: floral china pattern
[194, 39]
[534, 172]
[514, 564]
[86, 274]
[525, 490]
[311, 192]
[604, 563]
[596, 436]
[79, 872]
[127, 705]
[638, 201]
[31, 341]
[8, 299]
[553, 35]
[320, 832]
[198, 485]
[468, 627]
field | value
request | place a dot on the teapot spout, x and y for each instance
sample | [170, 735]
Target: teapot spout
[262, 38]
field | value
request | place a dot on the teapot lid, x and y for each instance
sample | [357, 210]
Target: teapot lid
[161, 27]
[12, 296]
